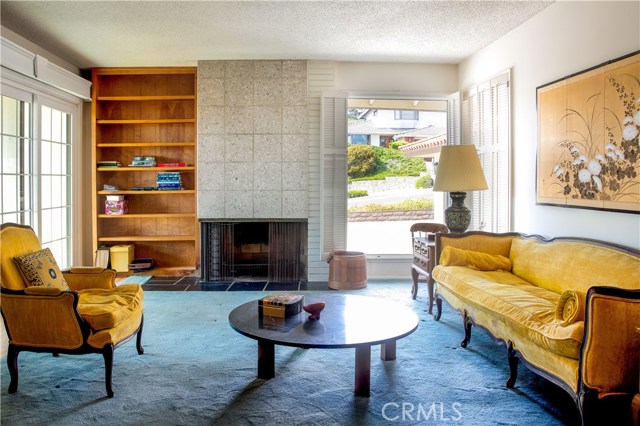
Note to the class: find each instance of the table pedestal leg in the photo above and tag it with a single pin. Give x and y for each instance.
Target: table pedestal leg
(363, 370)
(266, 360)
(388, 350)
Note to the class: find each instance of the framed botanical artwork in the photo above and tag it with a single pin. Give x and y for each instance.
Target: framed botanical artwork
(588, 138)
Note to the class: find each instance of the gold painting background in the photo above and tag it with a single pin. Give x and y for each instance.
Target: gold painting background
(588, 139)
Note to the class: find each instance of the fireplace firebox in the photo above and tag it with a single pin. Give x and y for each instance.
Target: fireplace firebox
(264, 250)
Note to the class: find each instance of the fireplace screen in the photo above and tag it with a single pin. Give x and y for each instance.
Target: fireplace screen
(274, 251)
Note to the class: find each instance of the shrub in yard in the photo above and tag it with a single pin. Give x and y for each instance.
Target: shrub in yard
(425, 181)
(396, 145)
(395, 163)
(361, 160)
(411, 204)
(355, 193)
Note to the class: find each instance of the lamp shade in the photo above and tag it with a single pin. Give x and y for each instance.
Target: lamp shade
(459, 170)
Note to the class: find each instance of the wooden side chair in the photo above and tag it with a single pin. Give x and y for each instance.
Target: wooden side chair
(424, 255)
(79, 311)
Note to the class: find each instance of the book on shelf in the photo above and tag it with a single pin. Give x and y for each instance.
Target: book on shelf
(139, 161)
(102, 257)
(109, 163)
(171, 164)
(169, 181)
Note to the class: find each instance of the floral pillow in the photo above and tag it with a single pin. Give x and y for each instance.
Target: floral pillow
(40, 269)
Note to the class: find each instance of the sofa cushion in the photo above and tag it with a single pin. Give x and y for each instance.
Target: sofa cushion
(573, 265)
(106, 308)
(492, 244)
(452, 256)
(40, 269)
(529, 310)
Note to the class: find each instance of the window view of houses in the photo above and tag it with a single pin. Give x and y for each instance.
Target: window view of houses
(391, 151)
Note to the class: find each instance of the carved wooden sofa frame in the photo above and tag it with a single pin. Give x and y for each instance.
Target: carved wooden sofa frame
(587, 398)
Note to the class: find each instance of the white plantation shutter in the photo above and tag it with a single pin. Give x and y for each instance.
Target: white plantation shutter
(334, 172)
(453, 119)
(485, 123)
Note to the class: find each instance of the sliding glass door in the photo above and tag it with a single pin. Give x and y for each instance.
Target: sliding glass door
(55, 182)
(36, 170)
(17, 201)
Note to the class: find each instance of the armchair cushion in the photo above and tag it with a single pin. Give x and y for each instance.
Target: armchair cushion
(40, 269)
(106, 308)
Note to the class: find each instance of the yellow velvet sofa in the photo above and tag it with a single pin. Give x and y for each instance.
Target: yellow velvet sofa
(89, 315)
(567, 307)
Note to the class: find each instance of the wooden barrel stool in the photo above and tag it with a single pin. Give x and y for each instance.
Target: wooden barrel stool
(347, 270)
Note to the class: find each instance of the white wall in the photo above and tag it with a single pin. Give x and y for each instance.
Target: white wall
(563, 39)
(396, 78)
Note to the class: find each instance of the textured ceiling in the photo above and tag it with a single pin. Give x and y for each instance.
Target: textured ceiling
(156, 33)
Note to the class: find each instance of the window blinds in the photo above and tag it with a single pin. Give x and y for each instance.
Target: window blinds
(334, 172)
(485, 123)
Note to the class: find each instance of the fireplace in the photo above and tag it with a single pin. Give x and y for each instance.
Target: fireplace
(255, 250)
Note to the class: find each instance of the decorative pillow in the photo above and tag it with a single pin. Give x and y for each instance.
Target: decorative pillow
(570, 308)
(452, 256)
(40, 269)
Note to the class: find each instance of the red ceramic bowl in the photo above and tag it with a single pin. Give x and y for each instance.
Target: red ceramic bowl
(314, 309)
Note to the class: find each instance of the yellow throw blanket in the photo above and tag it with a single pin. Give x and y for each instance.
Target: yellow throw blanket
(571, 307)
(452, 256)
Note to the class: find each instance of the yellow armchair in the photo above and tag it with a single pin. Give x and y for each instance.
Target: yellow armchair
(92, 316)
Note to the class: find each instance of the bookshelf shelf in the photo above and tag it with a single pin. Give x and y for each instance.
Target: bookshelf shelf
(147, 112)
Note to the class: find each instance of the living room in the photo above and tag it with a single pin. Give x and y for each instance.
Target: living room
(559, 39)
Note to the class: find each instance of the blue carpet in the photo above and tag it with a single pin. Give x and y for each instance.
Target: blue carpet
(135, 279)
(196, 370)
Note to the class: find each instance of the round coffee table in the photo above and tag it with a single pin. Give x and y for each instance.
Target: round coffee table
(347, 321)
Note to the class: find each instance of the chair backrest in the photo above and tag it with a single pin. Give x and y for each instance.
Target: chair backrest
(15, 240)
(428, 228)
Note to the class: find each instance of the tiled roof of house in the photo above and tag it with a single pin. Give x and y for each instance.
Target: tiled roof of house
(426, 147)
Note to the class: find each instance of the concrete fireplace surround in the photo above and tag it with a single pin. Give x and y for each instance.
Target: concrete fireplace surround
(253, 153)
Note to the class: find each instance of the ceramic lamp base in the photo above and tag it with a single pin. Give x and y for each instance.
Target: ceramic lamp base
(457, 216)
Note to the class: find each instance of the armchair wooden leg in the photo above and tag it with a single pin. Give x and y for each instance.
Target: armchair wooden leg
(414, 288)
(139, 338)
(107, 354)
(430, 286)
(12, 363)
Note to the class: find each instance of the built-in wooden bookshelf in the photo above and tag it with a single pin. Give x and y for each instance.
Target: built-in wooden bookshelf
(147, 112)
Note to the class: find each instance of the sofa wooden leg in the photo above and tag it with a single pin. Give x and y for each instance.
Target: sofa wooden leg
(139, 338)
(466, 321)
(513, 365)
(12, 363)
(107, 354)
(438, 309)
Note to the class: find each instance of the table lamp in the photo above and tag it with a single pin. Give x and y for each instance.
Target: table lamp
(459, 171)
